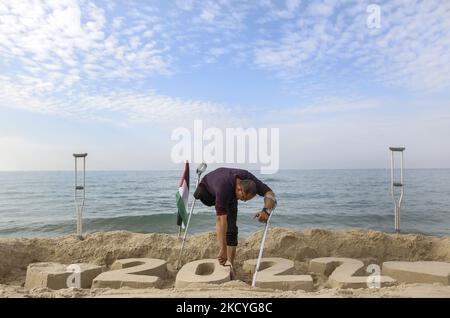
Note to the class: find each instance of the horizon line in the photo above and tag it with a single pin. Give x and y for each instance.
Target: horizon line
(284, 169)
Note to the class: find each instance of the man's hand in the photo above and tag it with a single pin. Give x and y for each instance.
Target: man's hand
(262, 216)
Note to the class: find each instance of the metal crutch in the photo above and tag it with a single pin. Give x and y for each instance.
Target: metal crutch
(258, 263)
(397, 204)
(79, 200)
(201, 168)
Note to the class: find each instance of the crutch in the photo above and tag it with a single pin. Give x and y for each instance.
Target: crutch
(201, 168)
(79, 199)
(258, 263)
(394, 184)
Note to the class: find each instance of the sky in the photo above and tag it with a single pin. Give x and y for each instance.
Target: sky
(115, 78)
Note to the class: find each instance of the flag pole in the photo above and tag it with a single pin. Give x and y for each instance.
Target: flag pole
(187, 226)
(185, 234)
(184, 180)
(200, 170)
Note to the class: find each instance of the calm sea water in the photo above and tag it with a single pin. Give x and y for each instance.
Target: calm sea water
(41, 203)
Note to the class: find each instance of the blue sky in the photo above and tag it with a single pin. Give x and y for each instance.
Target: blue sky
(114, 78)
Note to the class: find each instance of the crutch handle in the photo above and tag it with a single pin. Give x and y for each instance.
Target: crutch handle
(396, 148)
(79, 188)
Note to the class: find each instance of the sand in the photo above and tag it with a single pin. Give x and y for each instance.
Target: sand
(300, 246)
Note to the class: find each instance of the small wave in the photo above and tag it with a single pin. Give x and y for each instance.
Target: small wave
(156, 223)
(205, 222)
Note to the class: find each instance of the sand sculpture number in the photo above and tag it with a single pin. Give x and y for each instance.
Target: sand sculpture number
(133, 272)
(277, 273)
(203, 271)
(348, 273)
(426, 272)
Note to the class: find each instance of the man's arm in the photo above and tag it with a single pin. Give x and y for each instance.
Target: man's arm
(263, 189)
(221, 230)
(268, 202)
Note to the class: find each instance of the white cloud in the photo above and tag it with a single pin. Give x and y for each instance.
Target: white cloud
(185, 4)
(338, 105)
(55, 54)
(309, 38)
(411, 49)
(217, 51)
(224, 18)
(42, 37)
(313, 112)
(117, 23)
(121, 107)
(322, 8)
(279, 10)
(209, 12)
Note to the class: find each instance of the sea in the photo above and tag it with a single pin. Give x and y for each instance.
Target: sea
(41, 204)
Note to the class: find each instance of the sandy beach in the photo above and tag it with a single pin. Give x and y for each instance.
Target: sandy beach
(104, 248)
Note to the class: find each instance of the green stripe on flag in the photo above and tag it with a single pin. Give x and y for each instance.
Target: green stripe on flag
(181, 208)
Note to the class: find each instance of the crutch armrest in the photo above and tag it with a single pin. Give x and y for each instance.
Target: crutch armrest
(80, 155)
(396, 148)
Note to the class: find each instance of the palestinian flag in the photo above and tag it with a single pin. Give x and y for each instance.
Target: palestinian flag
(182, 197)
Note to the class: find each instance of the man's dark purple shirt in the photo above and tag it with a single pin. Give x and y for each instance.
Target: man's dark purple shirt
(221, 183)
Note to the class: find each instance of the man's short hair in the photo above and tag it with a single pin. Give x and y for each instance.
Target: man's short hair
(248, 187)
